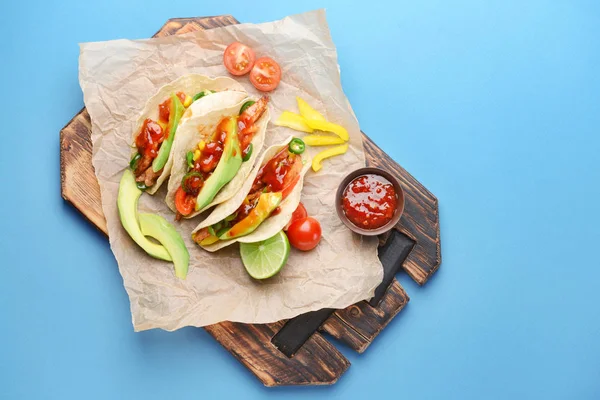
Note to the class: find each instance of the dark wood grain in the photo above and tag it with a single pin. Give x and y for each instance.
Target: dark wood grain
(317, 361)
(360, 323)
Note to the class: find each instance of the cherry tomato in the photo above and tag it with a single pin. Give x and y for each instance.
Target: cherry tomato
(238, 58)
(183, 202)
(299, 213)
(304, 234)
(265, 74)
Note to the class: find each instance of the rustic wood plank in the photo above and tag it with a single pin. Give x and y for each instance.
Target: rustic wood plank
(360, 323)
(78, 181)
(317, 362)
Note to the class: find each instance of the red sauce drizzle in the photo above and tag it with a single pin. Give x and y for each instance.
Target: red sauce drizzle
(212, 153)
(369, 201)
(164, 108)
(273, 174)
(150, 137)
(277, 175)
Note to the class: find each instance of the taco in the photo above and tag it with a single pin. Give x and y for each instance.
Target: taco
(214, 155)
(264, 204)
(173, 104)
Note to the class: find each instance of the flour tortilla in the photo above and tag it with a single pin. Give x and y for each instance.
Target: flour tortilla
(272, 224)
(228, 91)
(201, 127)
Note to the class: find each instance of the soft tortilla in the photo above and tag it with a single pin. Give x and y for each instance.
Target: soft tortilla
(199, 127)
(271, 225)
(228, 91)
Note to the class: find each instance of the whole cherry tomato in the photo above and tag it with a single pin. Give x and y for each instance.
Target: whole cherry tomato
(305, 233)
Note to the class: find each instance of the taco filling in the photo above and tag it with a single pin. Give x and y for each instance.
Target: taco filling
(216, 160)
(155, 138)
(274, 182)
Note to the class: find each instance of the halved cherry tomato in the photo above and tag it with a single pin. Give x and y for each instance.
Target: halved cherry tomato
(265, 74)
(238, 58)
(183, 202)
(304, 234)
(299, 213)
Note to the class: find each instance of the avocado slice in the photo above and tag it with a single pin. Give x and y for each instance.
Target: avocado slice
(267, 203)
(175, 114)
(228, 166)
(127, 201)
(157, 227)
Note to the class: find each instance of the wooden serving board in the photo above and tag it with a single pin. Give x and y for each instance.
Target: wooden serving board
(292, 352)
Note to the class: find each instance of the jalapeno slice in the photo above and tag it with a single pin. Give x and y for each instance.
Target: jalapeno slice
(296, 146)
(246, 105)
(248, 153)
(134, 161)
(201, 95)
(192, 182)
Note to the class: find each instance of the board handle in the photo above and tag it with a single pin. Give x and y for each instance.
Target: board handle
(392, 255)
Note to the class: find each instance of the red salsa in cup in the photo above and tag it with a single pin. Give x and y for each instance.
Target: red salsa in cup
(369, 201)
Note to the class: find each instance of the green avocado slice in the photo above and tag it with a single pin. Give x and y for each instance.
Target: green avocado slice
(157, 227)
(127, 201)
(175, 114)
(228, 166)
(267, 203)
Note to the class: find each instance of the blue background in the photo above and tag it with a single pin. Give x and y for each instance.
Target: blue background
(495, 107)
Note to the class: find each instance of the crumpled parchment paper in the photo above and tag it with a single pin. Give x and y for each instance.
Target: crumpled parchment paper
(117, 78)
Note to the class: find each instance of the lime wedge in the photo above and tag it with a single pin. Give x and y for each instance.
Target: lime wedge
(265, 258)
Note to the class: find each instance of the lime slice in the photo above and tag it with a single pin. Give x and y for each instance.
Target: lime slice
(266, 258)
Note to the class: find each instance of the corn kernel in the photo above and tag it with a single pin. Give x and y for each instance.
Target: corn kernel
(187, 101)
(202, 145)
(196, 155)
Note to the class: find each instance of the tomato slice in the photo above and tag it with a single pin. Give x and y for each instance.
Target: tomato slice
(238, 58)
(288, 189)
(183, 202)
(299, 213)
(304, 234)
(265, 74)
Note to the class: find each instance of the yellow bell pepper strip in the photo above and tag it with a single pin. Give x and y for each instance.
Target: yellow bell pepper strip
(308, 112)
(322, 140)
(267, 203)
(317, 121)
(294, 121)
(334, 151)
(209, 240)
(329, 127)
